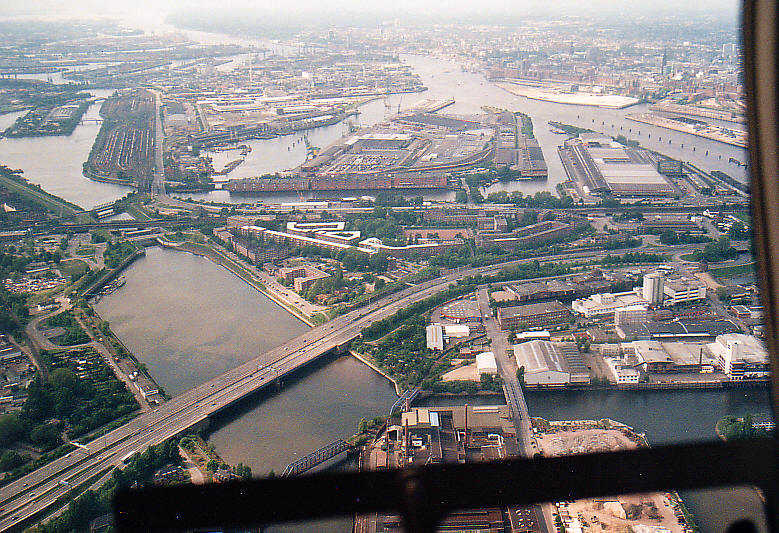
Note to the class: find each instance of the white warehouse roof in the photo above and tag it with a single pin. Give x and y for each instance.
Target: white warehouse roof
(486, 364)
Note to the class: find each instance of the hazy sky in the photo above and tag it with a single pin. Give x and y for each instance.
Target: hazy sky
(147, 9)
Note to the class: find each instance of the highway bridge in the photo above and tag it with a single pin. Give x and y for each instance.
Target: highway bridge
(30, 495)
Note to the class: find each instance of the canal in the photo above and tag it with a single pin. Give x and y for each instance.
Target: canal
(188, 320)
(55, 162)
(666, 417)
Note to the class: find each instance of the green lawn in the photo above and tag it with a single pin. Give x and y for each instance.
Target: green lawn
(70, 267)
(730, 271)
(86, 251)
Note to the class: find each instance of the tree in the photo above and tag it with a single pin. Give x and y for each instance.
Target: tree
(10, 460)
(46, 436)
(62, 378)
(213, 465)
(738, 231)
(378, 262)
(10, 429)
(521, 375)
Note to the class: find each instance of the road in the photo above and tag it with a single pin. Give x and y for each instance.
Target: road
(158, 182)
(515, 398)
(28, 495)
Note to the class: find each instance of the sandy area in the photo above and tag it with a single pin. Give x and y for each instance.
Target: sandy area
(639, 513)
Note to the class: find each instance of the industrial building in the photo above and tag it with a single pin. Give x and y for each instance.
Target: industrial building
(598, 164)
(740, 356)
(677, 330)
(664, 357)
(533, 315)
(653, 288)
(631, 314)
(656, 290)
(457, 331)
(463, 310)
(683, 290)
(622, 371)
(456, 434)
(604, 305)
(435, 337)
(486, 364)
(551, 363)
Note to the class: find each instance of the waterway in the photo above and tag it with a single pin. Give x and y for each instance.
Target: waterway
(55, 162)
(189, 320)
(666, 417)
(471, 91)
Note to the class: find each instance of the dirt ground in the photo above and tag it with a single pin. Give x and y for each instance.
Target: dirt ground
(583, 441)
(637, 513)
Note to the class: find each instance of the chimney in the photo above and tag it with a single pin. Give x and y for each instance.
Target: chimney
(465, 445)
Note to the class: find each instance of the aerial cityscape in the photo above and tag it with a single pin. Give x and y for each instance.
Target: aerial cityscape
(240, 244)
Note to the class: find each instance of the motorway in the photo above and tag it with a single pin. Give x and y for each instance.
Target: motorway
(23, 498)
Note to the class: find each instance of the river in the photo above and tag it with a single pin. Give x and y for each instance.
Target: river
(666, 417)
(445, 79)
(189, 320)
(669, 417)
(55, 162)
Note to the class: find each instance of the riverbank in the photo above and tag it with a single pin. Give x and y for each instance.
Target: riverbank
(707, 131)
(237, 269)
(676, 385)
(368, 363)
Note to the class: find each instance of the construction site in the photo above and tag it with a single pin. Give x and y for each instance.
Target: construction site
(657, 512)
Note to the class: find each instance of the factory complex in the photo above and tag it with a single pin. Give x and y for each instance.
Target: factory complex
(415, 149)
(596, 163)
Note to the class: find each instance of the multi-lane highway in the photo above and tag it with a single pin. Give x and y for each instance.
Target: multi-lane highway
(27, 496)
(31, 494)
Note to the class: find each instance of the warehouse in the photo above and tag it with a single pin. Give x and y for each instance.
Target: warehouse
(664, 357)
(551, 363)
(598, 164)
(533, 315)
(435, 337)
(486, 364)
(677, 329)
